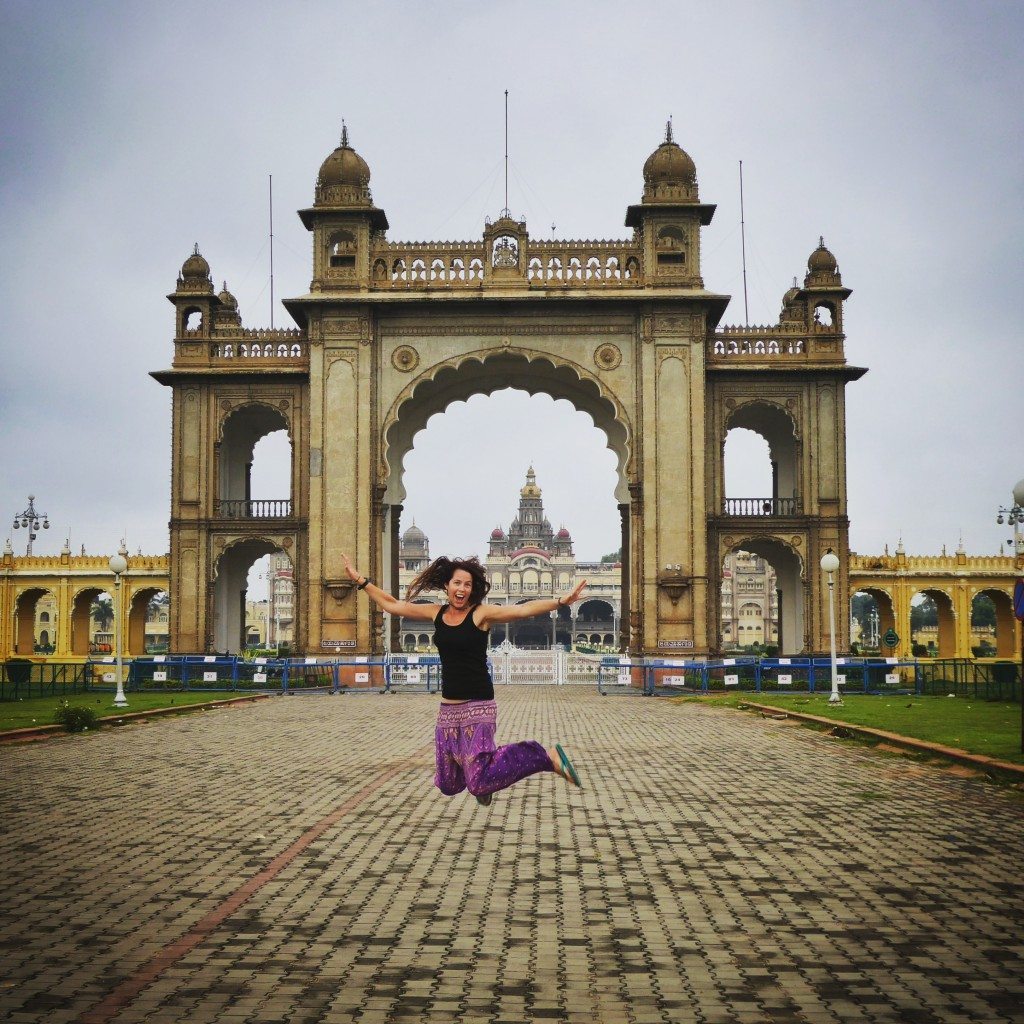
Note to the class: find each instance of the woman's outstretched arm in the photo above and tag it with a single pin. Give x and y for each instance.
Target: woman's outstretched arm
(490, 613)
(383, 600)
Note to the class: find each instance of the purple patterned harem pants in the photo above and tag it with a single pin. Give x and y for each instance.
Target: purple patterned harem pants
(467, 757)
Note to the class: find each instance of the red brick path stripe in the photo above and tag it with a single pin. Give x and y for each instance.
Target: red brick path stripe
(129, 989)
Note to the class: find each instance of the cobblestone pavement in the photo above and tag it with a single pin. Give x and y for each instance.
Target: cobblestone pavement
(289, 861)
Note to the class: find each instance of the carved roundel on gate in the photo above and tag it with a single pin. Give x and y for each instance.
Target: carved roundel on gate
(405, 358)
(607, 357)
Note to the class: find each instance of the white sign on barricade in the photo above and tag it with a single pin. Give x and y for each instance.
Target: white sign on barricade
(785, 680)
(259, 677)
(732, 679)
(159, 677)
(892, 679)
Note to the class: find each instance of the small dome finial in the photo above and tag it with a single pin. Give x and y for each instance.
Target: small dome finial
(344, 135)
(195, 249)
(821, 241)
(668, 129)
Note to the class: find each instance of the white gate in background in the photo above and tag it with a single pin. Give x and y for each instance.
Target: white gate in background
(552, 666)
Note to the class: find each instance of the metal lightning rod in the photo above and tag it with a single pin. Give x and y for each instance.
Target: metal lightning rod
(743, 245)
(505, 211)
(270, 178)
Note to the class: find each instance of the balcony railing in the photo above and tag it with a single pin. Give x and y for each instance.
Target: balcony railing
(240, 508)
(762, 507)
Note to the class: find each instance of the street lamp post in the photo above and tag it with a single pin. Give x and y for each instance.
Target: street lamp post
(1014, 516)
(29, 520)
(118, 565)
(830, 565)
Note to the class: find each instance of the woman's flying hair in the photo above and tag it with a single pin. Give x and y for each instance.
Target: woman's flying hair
(438, 574)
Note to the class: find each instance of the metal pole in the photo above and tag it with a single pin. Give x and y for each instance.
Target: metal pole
(271, 181)
(743, 244)
(120, 700)
(834, 698)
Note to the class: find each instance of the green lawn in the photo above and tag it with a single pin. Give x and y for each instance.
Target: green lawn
(981, 727)
(22, 714)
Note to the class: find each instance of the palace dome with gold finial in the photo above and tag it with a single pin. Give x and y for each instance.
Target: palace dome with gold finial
(669, 172)
(822, 268)
(344, 177)
(530, 488)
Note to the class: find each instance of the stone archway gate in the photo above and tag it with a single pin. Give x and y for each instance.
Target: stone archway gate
(392, 332)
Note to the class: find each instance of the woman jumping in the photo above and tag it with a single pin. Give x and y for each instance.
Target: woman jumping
(464, 738)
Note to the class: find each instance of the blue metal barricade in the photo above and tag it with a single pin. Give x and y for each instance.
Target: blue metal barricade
(729, 675)
(414, 673)
(360, 673)
(668, 676)
(621, 674)
(310, 674)
(208, 672)
(784, 675)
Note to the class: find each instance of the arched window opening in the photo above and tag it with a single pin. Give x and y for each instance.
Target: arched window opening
(416, 446)
(255, 466)
(32, 609)
(992, 625)
(871, 617)
(932, 625)
(749, 605)
(193, 319)
(671, 248)
(254, 599)
(148, 622)
(761, 599)
(761, 472)
(824, 314)
(342, 250)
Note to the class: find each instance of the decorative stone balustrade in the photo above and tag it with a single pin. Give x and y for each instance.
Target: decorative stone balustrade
(240, 508)
(762, 506)
(449, 265)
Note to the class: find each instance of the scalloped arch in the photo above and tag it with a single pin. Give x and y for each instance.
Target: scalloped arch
(755, 541)
(484, 372)
(256, 541)
(747, 422)
(281, 414)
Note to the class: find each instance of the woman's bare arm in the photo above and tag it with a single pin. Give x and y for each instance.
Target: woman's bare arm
(493, 613)
(392, 605)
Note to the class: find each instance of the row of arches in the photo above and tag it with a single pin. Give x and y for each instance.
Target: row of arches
(931, 628)
(90, 628)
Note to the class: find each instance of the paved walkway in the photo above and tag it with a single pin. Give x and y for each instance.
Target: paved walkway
(289, 861)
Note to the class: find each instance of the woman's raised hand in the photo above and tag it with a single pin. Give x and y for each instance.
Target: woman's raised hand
(576, 594)
(352, 574)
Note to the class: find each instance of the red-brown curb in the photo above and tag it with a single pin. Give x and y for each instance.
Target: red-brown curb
(921, 746)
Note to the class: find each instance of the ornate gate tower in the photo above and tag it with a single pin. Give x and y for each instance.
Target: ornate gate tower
(391, 333)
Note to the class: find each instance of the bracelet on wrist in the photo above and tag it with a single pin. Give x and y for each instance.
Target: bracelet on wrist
(366, 582)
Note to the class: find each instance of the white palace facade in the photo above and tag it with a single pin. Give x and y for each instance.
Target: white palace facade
(531, 560)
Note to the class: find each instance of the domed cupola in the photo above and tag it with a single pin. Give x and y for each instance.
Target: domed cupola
(227, 315)
(530, 488)
(414, 537)
(822, 268)
(563, 534)
(670, 175)
(195, 274)
(344, 178)
(497, 533)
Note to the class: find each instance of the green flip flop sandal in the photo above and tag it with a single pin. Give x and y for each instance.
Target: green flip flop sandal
(567, 765)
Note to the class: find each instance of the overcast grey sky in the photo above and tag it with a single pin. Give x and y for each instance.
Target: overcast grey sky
(131, 131)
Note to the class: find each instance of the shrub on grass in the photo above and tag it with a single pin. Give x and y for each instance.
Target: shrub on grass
(75, 719)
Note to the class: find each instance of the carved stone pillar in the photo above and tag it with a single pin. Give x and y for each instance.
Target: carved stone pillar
(625, 573)
(395, 523)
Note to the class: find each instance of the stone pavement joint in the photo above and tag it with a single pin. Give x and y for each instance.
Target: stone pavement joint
(292, 862)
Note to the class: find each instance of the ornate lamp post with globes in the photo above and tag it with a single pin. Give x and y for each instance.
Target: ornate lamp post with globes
(830, 565)
(1014, 516)
(29, 520)
(118, 566)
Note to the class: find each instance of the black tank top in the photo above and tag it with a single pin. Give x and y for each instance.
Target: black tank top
(463, 650)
